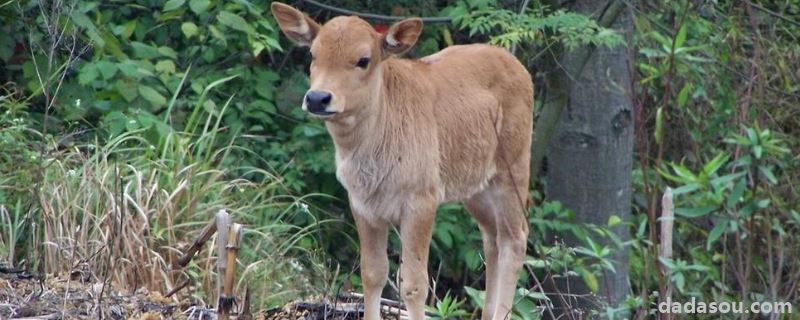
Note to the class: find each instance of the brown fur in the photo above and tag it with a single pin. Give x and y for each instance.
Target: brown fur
(412, 134)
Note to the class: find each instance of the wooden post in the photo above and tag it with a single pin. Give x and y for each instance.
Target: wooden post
(227, 299)
(223, 220)
(665, 245)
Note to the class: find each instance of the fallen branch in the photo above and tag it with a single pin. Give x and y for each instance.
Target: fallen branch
(198, 243)
(178, 288)
(386, 304)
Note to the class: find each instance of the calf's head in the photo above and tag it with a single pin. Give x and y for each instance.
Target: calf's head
(347, 56)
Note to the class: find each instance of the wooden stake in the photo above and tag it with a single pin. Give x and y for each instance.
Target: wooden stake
(227, 299)
(665, 244)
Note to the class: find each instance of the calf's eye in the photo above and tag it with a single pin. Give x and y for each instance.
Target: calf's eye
(362, 63)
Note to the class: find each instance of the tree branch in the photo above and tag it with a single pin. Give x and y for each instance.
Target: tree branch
(372, 16)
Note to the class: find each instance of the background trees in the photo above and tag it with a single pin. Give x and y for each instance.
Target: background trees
(146, 117)
(590, 155)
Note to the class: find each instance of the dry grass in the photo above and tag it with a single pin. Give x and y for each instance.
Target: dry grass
(121, 213)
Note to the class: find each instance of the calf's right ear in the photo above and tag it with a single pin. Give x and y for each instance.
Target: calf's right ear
(295, 24)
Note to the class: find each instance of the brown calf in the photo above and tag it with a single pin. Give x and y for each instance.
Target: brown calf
(412, 134)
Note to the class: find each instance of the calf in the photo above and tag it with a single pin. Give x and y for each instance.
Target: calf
(412, 134)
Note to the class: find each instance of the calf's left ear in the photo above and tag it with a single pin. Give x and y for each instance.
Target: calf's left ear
(401, 36)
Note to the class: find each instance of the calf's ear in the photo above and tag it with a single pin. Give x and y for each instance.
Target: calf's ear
(295, 24)
(401, 36)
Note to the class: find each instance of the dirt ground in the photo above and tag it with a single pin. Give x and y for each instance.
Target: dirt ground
(23, 296)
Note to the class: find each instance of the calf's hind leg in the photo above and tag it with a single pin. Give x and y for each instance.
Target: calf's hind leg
(501, 213)
(482, 211)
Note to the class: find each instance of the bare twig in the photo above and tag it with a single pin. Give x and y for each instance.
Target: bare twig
(43, 317)
(245, 313)
(384, 301)
(180, 287)
(521, 12)
(773, 13)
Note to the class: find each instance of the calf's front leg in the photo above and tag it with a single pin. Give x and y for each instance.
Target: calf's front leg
(416, 227)
(372, 236)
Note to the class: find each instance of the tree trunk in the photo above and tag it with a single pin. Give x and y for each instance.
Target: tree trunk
(591, 153)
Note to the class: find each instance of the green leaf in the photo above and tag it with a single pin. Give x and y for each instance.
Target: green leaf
(128, 29)
(681, 37)
(165, 66)
(7, 45)
(445, 237)
(173, 4)
(724, 180)
(174, 15)
(116, 122)
(107, 69)
(668, 262)
(126, 89)
(589, 279)
(767, 172)
(683, 95)
(472, 259)
(614, 220)
(82, 20)
(152, 95)
(712, 166)
(87, 74)
(659, 132)
(144, 51)
(694, 212)
(199, 6)
(684, 173)
(478, 297)
(758, 151)
(234, 21)
(736, 194)
(680, 281)
(536, 263)
(167, 52)
(686, 188)
(257, 48)
(273, 43)
(715, 233)
(130, 69)
(189, 29)
(217, 35)
(111, 44)
(752, 136)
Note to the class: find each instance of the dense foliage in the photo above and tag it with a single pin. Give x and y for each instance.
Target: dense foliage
(150, 116)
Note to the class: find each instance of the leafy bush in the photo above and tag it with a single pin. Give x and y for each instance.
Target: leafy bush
(540, 26)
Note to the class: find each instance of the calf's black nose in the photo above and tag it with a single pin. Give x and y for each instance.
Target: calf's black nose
(317, 101)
